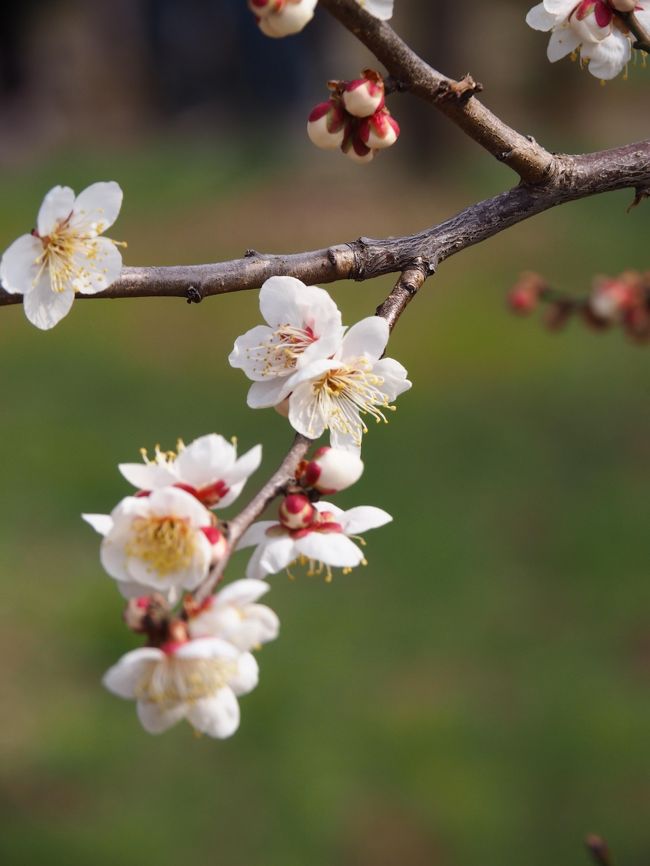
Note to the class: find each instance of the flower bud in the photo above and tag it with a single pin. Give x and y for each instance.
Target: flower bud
(291, 18)
(326, 125)
(296, 511)
(332, 470)
(364, 96)
(590, 21)
(218, 541)
(524, 295)
(263, 8)
(612, 298)
(379, 130)
(356, 150)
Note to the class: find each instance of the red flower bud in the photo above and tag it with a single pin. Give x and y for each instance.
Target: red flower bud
(296, 511)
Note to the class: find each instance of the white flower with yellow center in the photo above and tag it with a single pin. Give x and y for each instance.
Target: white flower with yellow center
(339, 392)
(198, 680)
(65, 253)
(303, 325)
(208, 468)
(233, 615)
(166, 541)
(325, 544)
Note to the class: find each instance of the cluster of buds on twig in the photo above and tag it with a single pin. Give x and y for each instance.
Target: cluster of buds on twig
(622, 301)
(355, 118)
(277, 18)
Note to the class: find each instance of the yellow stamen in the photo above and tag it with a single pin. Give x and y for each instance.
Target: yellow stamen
(167, 544)
(173, 680)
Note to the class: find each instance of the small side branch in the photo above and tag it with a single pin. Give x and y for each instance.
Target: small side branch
(641, 35)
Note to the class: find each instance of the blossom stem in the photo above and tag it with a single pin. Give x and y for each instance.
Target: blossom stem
(633, 24)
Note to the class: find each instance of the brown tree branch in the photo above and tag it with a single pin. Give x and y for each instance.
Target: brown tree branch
(641, 35)
(455, 99)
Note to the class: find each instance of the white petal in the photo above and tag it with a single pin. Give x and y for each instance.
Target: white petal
(20, 265)
(271, 392)
(147, 476)
(245, 357)
(125, 676)
(97, 207)
(312, 371)
(325, 346)
(236, 477)
(45, 308)
(345, 442)
(217, 716)
(382, 9)
(276, 554)
(303, 414)
(279, 301)
(173, 501)
(242, 592)
(332, 548)
(57, 206)
(394, 376)
(101, 523)
(561, 8)
(539, 18)
(207, 648)
(608, 57)
(255, 534)
(100, 265)
(156, 718)
(643, 16)
(205, 460)
(362, 518)
(331, 508)
(247, 676)
(367, 337)
(561, 43)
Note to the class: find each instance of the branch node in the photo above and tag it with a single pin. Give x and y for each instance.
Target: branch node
(640, 193)
(458, 91)
(193, 295)
(394, 85)
(249, 254)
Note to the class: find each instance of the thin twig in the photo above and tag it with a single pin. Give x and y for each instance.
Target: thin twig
(633, 24)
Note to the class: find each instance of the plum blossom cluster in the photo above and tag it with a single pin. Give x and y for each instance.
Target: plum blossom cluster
(622, 301)
(161, 546)
(65, 254)
(277, 18)
(597, 29)
(307, 365)
(355, 118)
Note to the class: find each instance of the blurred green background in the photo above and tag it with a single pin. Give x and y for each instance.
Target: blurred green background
(479, 694)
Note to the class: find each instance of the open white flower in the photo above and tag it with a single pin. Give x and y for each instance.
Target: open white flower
(198, 680)
(335, 393)
(233, 615)
(65, 253)
(208, 468)
(166, 541)
(591, 27)
(324, 545)
(303, 325)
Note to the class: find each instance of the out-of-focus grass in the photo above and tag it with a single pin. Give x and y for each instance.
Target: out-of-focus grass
(479, 693)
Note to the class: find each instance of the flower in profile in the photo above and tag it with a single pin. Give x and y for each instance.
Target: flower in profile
(303, 325)
(278, 18)
(165, 541)
(234, 615)
(65, 253)
(198, 680)
(337, 393)
(208, 468)
(590, 26)
(330, 470)
(323, 545)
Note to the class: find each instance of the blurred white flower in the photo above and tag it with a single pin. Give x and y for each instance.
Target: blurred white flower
(382, 9)
(334, 393)
(277, 18)
(591, 27)
(303, 325)
(198, 680)
(208, 468)
(233, 615)
(64, 254)
(166, 541)
(324, 545)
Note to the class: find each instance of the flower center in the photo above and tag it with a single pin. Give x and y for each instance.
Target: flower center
(166, 544)
(281, 351)
(342, 395)
(175, 681)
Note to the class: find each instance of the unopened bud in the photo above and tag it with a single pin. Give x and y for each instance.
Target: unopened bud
(218, 541)
(262, 8)
(379, 130)
(291, 18)
(611, 299)
(326, 125)
(363, 96)
(146, 614)
(356, 150)
(332, 470)
(524, 295)
(296, 511)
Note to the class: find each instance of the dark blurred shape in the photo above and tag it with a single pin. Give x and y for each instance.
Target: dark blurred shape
(599, 850)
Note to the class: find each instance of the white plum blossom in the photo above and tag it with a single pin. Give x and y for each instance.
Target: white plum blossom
(277, 18)
(208, 468)
(323, 545)
(591, 27)
(334, 393)
(303, 325)
(197, 680)
(165, 541)
(65, 253)
(233, 615)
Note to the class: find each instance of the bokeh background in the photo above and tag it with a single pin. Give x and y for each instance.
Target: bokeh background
(480, 693)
